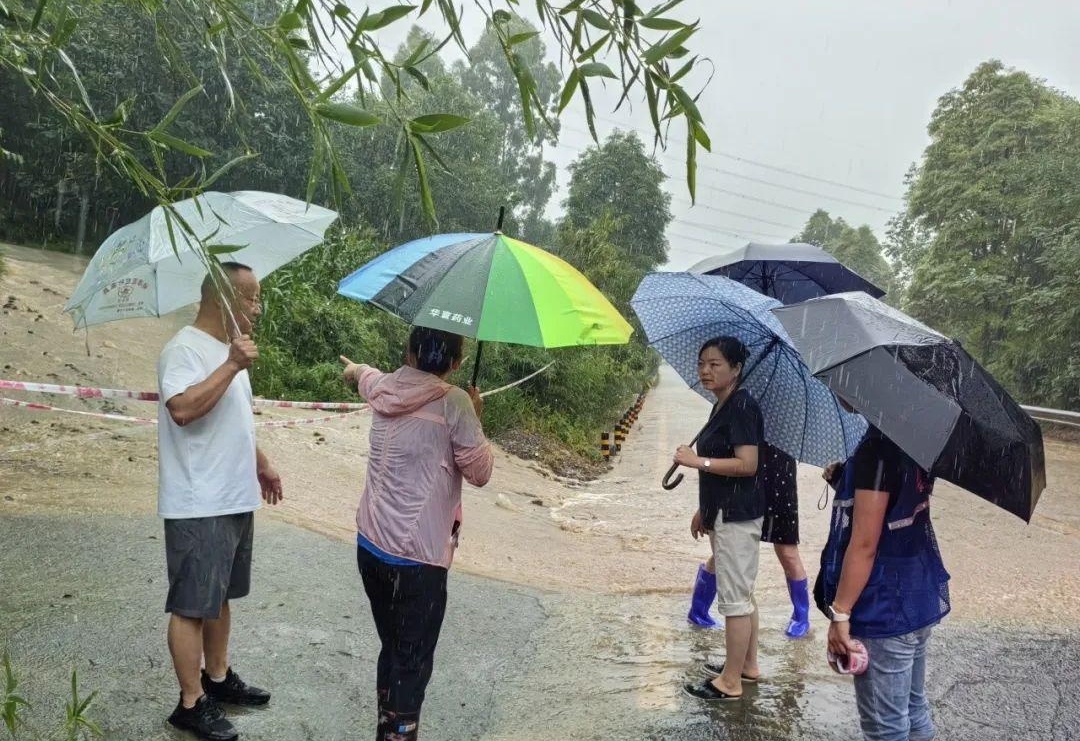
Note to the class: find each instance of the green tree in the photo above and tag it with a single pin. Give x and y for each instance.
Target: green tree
(618, 179)
(992, 228)
(467, 182)
(857, 248)
(60, 167)
(649, 51)
(530, 177)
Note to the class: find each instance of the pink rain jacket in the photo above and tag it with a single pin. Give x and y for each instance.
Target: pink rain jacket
(424, 437)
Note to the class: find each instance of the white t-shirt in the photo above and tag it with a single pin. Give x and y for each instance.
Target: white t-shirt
(207, 467)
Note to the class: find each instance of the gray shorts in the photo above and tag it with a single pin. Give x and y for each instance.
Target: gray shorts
(209, 560)
(735, 547)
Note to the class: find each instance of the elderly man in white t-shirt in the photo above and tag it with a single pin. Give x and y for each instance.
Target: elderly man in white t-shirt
(210, 478)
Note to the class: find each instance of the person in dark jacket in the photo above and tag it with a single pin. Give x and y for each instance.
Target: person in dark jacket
(883, 585)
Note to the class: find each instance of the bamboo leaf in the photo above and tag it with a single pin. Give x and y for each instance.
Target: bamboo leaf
(667, 45)
(568, 90)
(347, 114)
(591, 51)
(596, 69)
(433, 153)
(383, 18)
(65, 31)
(662, 24)
(337, 84)
(341, 10)
(298, 42)
(654, 103)
(224, 249)
(596, 19)
(418, 52)
(691, 163)
(702, 136)
(178, 144)
(590, 112)
(177, 107)
(290, 21)
(37, 15)
(687, 103)
(571, 7)
(434, 123)
(684, 70)
(78, 80)
(501, 17)
(224, 169)
(422, 178)
(419, 76)
(521, 38)
(659, 10)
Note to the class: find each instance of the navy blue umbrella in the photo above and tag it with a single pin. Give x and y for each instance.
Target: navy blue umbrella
(790, 273)
(680, 311)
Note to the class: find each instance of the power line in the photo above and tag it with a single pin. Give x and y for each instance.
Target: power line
(814, 178)
(767, 202)
(742, 234)
(799, 190)
(765, 165)
(744, 216)
(709, 243)
(730, 173)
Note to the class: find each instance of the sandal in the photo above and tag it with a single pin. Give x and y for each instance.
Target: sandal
(715, 670)
(706, 691)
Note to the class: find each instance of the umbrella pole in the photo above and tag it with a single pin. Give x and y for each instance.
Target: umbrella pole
(476, 364)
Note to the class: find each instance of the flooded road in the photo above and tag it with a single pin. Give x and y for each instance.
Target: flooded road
(567, 599)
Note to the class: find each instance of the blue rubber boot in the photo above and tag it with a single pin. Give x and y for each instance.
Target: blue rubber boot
(800, 615)
(704, 595)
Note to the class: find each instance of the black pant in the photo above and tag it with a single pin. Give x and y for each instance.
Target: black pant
(408, 604)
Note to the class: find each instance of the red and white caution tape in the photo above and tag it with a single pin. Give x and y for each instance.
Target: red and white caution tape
(519, 381)
(324, 406)
(83, 392)
(99, 415)
(312, 421)
(146, 421)
(89, 392)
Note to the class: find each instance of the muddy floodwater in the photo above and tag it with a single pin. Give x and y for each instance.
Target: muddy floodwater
(568, 598)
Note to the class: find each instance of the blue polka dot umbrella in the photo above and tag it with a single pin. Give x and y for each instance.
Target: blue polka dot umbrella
(680, 311)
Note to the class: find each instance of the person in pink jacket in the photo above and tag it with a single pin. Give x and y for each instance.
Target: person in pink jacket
(425, 438)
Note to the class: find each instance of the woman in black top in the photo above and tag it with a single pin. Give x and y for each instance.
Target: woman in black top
(730, 511)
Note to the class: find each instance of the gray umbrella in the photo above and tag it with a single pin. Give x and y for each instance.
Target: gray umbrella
(788, 272)
(925, 393)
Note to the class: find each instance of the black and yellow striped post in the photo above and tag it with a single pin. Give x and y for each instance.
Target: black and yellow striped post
(620, 436)
(605, 445)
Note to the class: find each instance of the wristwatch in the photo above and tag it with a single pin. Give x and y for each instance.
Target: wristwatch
(707, 463)
(835, 616)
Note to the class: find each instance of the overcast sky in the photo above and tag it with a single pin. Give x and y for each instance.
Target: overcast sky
(838, 90)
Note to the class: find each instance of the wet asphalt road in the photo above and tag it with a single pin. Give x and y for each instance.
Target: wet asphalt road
(87, 593)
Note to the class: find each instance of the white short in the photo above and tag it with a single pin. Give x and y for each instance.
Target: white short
(735, 547)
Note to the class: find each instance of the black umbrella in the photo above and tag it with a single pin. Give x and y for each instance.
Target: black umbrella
(925, 393)
(787, 272)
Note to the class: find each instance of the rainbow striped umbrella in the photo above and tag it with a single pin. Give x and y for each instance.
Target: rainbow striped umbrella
(489, 287)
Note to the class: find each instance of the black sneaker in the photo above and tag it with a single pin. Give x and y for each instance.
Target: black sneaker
(233, 690)
(205, 719)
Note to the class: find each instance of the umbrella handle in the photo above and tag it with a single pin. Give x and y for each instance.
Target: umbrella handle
(669, 485)
(476, 364)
